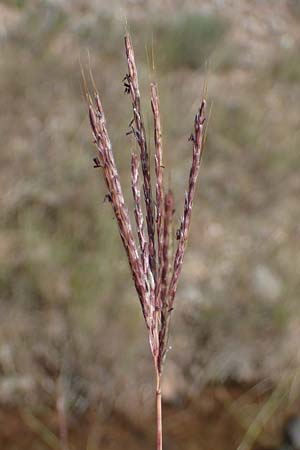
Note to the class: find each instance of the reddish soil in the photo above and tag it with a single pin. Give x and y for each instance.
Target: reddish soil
(212, 422)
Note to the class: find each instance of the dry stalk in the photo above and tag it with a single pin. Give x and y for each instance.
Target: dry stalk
(155, 283)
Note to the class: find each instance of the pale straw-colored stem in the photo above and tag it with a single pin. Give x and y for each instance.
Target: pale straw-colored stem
(158, 411)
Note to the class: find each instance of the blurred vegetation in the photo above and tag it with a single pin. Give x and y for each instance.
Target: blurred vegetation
(188, 41)
(287, 67)
(14, 3)
(66, 294)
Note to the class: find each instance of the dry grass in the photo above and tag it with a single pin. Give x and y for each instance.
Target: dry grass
(155, 282)
(245, 220)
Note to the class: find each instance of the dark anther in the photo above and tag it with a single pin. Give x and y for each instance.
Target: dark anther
(127, 88)
(201, 107)
(107, 198)
(192, 138)
(136, 133)
(178, 234)
(126, 78)
(96, 162)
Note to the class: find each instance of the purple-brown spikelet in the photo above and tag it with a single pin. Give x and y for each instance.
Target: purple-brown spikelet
(188, 201)
(159, 189)
(138, 213)
(132, 81)
(154, 273)
(165, 309)
(111, 176)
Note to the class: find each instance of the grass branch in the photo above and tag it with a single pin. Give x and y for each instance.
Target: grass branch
(155, 275)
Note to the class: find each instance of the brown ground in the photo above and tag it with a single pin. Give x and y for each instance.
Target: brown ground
(216, 420)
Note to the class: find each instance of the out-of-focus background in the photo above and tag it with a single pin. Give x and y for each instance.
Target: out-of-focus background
(73, 344)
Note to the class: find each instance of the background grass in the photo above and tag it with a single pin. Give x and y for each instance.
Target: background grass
(68, 308)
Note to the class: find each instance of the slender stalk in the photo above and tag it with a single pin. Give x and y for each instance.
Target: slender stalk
(62, 422)
(158, 410)
(149, 258)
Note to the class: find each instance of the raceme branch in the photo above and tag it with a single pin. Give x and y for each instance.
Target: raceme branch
(154, 274)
